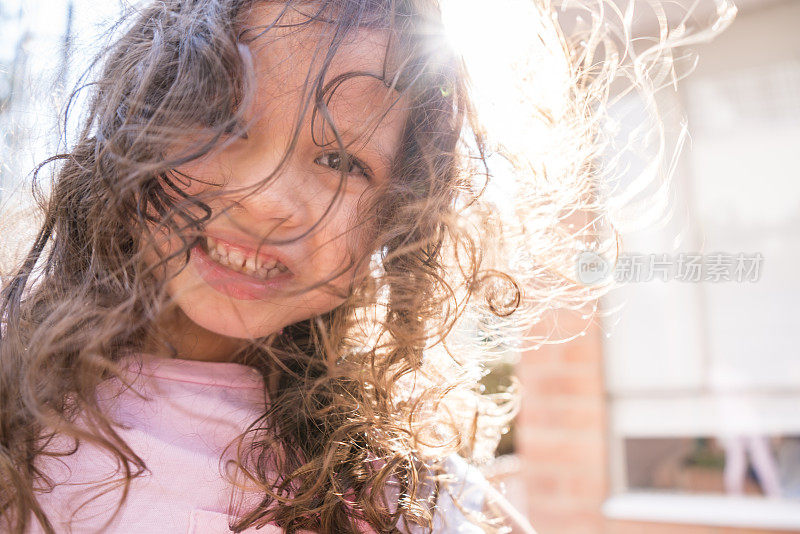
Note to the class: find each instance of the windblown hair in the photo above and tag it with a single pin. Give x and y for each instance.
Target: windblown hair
(378, 388)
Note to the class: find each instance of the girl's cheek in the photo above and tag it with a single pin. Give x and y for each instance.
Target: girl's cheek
(190, 180)
(157, 244)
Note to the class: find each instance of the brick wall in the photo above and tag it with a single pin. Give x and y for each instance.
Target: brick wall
(632, 527)
(561, 432)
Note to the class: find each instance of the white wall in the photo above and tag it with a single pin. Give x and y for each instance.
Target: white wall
(737, 189)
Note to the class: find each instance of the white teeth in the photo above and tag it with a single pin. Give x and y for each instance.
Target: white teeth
(268, 264)
(236, 258)
(237, 261)
(250, 265)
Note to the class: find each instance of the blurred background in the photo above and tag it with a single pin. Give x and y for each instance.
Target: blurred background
(677, 411)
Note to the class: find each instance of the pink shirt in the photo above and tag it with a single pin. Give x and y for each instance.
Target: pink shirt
(190, 411)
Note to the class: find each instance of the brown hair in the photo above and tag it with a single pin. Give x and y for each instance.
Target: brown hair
(380, 377)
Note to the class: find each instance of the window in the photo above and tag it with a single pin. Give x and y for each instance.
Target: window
(704, 376)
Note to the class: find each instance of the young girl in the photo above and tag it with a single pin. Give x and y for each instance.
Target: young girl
(241, 309)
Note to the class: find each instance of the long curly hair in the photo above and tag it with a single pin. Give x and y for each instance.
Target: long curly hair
(383, 385)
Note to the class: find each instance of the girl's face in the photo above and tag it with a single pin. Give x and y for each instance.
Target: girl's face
(229, 289)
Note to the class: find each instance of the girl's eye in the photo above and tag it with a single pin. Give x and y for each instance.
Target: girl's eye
(233, 127)
(349, 164)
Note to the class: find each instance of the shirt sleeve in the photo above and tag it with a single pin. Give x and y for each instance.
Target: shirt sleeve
(462, 493)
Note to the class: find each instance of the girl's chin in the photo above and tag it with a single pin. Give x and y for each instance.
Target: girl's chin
(227, 317)
(233, 327)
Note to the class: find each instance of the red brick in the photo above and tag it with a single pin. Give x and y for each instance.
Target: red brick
(566, 382)
(557, 451)
(635, 527)
(588, 485)
(549, 521)
(585, 352)
(573, 416)
(543, 483)
(561, 433)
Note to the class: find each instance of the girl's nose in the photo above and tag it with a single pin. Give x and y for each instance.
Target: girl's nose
(282, 201)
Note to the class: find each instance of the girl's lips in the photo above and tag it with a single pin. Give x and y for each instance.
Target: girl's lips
(233, 283)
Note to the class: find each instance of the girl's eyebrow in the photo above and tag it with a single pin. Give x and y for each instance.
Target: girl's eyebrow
(372, 144)
(385, 158)
(373, 137)
(364, 124)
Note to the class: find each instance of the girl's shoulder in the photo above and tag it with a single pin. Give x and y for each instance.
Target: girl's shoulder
(466, 495)
(462, 492)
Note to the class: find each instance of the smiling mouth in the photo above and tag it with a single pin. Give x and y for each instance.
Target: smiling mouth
(262, 267)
